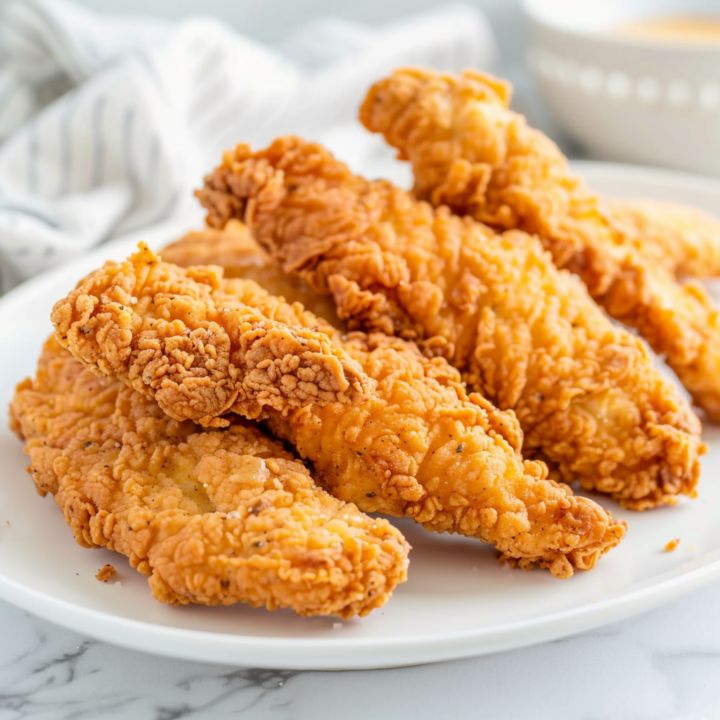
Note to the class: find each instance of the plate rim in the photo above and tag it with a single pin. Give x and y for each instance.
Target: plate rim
(434, 647)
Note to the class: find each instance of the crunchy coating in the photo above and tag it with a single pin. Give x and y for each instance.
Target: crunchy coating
(234, 249)
(469, 151)
(174, 335)
(683, 239)
(417, 445)
(422, 448)
(525, 333)
(212, 517)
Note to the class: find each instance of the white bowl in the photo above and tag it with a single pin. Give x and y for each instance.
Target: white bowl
(624, 97)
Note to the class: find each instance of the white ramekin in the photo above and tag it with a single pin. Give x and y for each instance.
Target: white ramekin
(626, 98)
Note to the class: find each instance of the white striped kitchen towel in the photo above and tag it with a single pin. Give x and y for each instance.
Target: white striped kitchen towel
(108, 123)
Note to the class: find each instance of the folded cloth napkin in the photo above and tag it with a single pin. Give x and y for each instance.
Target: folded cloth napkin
(107, 123)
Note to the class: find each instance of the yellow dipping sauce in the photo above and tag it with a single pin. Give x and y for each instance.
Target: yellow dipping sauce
(673, 28)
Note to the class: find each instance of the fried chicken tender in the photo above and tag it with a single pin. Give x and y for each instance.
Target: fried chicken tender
(236, 252)
(213, 517)
(194, 349)
(469, 151)
(415, 444)
(526, 334)
(421, 447)
(683, 239)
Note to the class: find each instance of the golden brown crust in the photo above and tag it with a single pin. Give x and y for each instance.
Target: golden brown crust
(525, 333)
(422, 448)
(469, 151)
(212, 517)
(416, 445)
(683, 239)
(174, 335)
(236, 252)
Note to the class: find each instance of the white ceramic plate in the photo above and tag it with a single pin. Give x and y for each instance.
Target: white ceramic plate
(458, 602)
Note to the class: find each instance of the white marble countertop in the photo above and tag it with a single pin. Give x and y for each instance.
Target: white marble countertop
(662, 665)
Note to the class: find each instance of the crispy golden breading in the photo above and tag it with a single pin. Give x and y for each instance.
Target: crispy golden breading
(212, 517)
(683, 239)
(236, 252)
(421, 447)
(526, 334)
(469, 151)
(416, 445)
(174, 335)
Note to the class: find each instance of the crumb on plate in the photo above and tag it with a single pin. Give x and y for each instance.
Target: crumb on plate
(107, 573)
(670, 545)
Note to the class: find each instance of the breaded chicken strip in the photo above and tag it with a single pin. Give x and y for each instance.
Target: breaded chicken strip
(397, 364)
(415, 444)
(469, 151)
(194, 349)
(683, 239)
(212, 517)
(525, 334)
(421, 447)
(236, 252)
